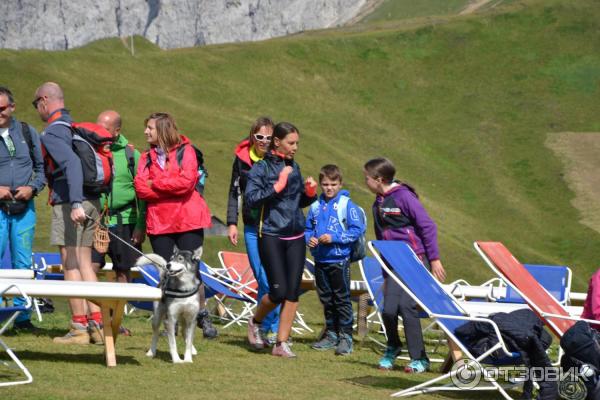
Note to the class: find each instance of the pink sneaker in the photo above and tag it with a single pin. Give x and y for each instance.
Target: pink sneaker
(283, 350)
(254, 336)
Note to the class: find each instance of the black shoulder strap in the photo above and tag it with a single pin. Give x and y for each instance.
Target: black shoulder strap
(26, 132)
(148, 160)
(129, 154)
(179, 155)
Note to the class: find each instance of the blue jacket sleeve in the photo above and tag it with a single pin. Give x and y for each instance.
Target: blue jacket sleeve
(39, 179)
(59, 147)
(356, 226)
(258, 190)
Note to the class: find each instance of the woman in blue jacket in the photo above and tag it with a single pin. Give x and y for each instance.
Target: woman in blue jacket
(247, 153)
(277, 191)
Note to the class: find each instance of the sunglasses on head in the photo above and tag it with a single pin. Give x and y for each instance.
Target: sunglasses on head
(262, 138)
(35, 102)
(5, 107)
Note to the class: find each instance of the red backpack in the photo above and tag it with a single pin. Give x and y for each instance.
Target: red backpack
(91, 143)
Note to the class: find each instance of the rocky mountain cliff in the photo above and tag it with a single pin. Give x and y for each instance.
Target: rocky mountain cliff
(64, 24)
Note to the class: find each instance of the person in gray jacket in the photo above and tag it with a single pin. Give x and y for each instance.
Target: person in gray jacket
(21, 178)
(74, 212)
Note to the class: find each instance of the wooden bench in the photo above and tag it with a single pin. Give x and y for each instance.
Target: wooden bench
(111, 297)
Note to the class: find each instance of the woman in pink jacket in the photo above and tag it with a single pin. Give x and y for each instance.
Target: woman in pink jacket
(176, 213)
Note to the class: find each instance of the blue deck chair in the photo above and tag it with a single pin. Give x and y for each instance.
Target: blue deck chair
(403, 265)
(41, 263)
(149, 275)
(370, 270)
(555, 279)
(371, 274)
(7, 316)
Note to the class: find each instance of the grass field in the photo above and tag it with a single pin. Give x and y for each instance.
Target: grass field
(462, 105)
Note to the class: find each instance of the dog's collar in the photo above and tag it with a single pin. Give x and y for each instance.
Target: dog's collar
(179, 294)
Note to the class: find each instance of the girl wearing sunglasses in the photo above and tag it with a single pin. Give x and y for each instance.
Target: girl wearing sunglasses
(249, 151)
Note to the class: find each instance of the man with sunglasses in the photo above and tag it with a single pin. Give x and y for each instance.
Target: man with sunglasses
(21, 178)
(74, 211)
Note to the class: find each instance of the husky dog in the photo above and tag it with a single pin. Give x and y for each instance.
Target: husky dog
(179, 284)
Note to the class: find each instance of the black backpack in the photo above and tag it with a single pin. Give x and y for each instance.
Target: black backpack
(581, 345)
(202, 172)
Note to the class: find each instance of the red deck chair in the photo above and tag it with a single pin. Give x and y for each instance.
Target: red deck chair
(506, 266)
(237, 268)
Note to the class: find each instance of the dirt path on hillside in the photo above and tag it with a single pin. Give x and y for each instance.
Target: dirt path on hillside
(371, 5)
(579, 154)
(474, 6)
(367, 9)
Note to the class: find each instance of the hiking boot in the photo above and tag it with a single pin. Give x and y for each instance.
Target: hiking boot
(283, 350)
(328, 341)
(78, 334)
(344, 347)
(254, 336)
(203, 321)
(417, 366)
(389, 357)
(96, 334)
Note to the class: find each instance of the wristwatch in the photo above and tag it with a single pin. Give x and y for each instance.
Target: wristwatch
(76, 205)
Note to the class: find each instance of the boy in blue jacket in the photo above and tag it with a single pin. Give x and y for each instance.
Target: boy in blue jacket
(333, 224)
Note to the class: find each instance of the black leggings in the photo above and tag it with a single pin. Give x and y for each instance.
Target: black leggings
(283, 261)
(164, 244)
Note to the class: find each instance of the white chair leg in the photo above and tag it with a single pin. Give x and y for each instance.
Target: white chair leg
(36, 305)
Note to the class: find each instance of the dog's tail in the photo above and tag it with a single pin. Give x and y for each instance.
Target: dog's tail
(151, 258)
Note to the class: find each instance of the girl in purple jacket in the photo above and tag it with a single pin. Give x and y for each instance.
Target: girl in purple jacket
(399, 215)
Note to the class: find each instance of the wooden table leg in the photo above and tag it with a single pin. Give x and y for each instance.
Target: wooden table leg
(117, 317)
(109, 343)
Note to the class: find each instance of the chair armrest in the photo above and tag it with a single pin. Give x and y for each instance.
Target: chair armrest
(28, 302)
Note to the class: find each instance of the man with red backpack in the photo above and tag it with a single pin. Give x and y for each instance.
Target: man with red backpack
(126, 214)
(74, 210)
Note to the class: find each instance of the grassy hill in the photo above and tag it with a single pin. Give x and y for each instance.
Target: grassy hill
(462, 107)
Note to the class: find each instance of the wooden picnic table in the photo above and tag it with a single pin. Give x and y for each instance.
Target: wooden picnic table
(111, 297)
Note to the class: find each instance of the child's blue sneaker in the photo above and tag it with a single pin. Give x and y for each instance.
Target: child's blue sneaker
(417, 366)
(389, 357)
(329, 341)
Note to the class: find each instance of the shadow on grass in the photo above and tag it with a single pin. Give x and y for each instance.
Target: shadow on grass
(38, 331)
(81, 358)
(395, 383)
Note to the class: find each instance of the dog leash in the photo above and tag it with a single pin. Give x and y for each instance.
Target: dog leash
(164, 284)
(122, 241)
